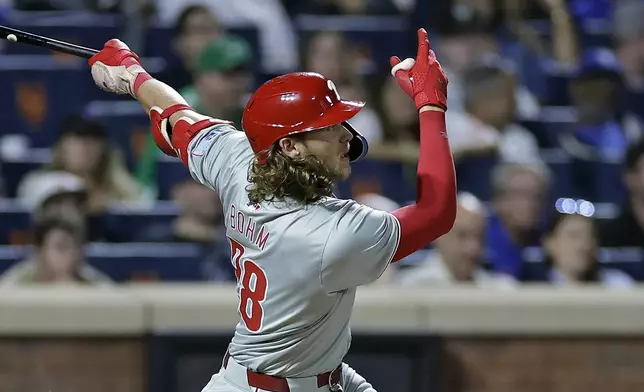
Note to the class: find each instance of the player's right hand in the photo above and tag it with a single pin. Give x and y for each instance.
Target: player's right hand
(117, 69)
(422, 79)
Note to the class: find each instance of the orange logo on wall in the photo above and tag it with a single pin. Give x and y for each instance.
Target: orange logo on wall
(31, 101)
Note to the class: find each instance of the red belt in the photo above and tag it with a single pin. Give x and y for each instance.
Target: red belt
(279, 384)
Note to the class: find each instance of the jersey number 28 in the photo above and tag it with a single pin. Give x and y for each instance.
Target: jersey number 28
(253, 286)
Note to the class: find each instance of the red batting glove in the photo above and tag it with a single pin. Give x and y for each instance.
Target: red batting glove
(117, 69)
(422, 79)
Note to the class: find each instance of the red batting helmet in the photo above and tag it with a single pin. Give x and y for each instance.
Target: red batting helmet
(296, 103)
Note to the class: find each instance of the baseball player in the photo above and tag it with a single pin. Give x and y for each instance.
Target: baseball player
(299, 253)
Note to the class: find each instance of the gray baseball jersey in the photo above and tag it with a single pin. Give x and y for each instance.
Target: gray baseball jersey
(297, 266)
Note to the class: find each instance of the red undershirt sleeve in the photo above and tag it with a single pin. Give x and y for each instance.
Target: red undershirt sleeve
(434, 212)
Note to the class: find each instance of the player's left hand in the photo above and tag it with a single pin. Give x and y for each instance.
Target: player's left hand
(422, 79)
(117, 69)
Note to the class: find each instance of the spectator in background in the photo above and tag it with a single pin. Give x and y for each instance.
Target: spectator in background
(628, 33)
(83, 150)
(519, 195)
(277, 39)
(223, 79)
(571, 246)
(196, 27)
(55, 194)
(400, 119)
(488, 124)
(222, 85)
(329, 54)
(469, 31)
(459, 254)
(602, 133)
(200, 221)
(60, 194)
(628, 229)
(57, 258)
(343, 7)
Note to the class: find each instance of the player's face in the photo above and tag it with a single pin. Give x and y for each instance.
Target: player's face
(81, 155)
(521, 202)
(331, 146)
(572, 245)
(201, 28)
(462, 247)
(60, 254)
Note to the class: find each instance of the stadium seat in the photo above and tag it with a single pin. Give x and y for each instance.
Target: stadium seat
(15, 222)
(557, 78)
(561, 173)
(628, 260)
(376, 37)
(37, 93)
(165, 262)
(127, 221)
(169, 172)
(127, 262)
(393, 180)
(10, 255)
(473, 175)
(14, 169)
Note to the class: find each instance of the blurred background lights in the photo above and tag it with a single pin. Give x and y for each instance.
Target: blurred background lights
(571, 206)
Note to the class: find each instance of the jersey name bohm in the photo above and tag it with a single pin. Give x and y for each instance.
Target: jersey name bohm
(246, 226)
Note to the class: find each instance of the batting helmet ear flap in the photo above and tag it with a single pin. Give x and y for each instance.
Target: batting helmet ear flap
(358, 146)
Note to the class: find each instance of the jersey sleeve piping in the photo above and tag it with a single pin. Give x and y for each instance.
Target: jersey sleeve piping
(326, 242)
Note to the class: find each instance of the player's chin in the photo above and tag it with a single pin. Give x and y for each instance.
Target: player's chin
(344, 169)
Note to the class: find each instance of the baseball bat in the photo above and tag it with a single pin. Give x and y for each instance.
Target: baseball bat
(13, 35)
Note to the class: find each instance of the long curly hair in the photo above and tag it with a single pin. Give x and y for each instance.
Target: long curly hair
(305, 180)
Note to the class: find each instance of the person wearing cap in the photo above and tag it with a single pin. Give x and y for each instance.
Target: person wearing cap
(57, 193)
(603, 131)
(54, 193)
(223, 79)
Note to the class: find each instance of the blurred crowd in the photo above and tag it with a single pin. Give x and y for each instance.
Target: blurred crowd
(545, 120)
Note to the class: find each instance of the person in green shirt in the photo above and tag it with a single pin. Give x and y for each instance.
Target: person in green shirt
(223, 82)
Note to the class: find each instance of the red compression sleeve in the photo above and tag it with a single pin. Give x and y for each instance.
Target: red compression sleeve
(435, 209)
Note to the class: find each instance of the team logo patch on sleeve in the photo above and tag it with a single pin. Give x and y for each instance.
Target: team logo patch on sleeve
(203, 144)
